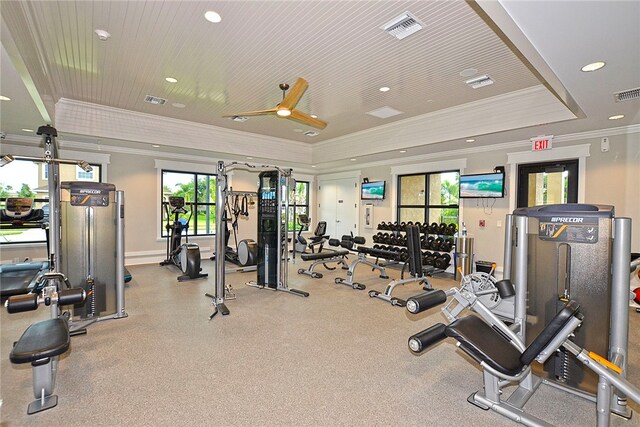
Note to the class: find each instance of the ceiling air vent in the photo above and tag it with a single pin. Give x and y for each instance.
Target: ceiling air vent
(239, 118)
(481, 81)
(627, 95)
(154, 100)
(311, 133)
(403, 26)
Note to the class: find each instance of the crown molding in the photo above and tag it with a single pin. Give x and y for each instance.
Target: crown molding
(622, 130)
(99, 121)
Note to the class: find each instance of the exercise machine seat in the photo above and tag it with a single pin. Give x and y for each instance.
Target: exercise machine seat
(483, 344)
(41, 340)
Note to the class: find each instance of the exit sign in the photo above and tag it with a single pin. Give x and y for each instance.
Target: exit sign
(542, 143)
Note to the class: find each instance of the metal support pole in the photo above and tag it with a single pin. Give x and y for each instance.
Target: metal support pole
(619, 332)
(218, 295)
(508, 245)
(519, 273)
(120, 308)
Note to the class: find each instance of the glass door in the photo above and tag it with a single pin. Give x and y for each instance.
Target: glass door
(548, 183)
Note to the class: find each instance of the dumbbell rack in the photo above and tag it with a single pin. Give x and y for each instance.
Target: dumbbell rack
(390, 236)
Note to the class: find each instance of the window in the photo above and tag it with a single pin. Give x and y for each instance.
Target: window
(83, 176)
(548, 183)
(429, 198)
(22, 178)
(300, 196)
(199, 192)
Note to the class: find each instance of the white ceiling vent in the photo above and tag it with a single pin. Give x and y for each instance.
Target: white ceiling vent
(403, 26)
(384, 112)
(311, 133)
(155, 100)
(239, 118)
(480, 81)
(627, 95)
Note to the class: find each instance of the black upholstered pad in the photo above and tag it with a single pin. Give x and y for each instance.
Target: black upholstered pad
(324, 255)
(43, 339)
(542, 340)
(485, 345)
(378, 253)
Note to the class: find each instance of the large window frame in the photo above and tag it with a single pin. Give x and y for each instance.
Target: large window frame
(570, 166)
(427, 206)
(43, 202)
(198, 206)
(300, 208)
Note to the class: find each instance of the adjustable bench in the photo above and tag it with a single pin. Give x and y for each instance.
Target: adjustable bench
(349, 242)
(331, 255)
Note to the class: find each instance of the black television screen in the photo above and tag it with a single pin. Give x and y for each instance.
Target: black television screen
(482, 185)
(372, 190)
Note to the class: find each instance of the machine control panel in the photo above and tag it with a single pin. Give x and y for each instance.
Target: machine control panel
(89, 197)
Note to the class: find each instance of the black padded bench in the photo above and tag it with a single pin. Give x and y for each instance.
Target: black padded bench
(331, 255)
(40, 345)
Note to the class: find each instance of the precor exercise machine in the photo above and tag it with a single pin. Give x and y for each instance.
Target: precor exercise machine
(558, 257)
(92, 243)
(272, 245)
(185, 256)
(43, 342)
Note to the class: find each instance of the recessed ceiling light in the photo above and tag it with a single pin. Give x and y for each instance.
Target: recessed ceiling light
(27, 130)
(249, 158)
(403, 151)
(171, 80)
(353, 160)
(470, 140)
(155, 145)
(616, 117)
(212, 16)
(593, 66)
(468, 72)
(314, 116)
(178, 105)
(102, 35)
(384, 89)
(313, 166)
(4, 98)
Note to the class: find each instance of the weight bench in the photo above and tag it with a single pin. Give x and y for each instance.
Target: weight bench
(349, 242)
(331, 255)
(506, 361)
(42, 343)
(416, 270)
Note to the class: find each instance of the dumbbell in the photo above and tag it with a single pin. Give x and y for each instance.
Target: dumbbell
(443, 261)
(451, 229)
(433, 228)
(419, 225)
(442, 228)
(429, 258)
(446, 245)
(385, 238)
(435, 244)
(382, 225)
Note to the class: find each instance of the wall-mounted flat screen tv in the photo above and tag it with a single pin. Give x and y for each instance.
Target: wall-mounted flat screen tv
(482, 185)
(372, 190)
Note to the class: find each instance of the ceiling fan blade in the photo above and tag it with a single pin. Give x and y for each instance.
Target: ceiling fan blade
(301, 117)
(295, 93)
(253, 113)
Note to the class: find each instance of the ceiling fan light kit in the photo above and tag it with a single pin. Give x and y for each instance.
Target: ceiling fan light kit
(286, 108)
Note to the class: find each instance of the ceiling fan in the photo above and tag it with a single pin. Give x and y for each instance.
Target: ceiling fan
(286, 108)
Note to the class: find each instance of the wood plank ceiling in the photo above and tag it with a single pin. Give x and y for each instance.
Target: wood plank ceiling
(236, 65)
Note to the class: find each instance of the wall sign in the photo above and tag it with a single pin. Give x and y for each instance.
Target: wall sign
(544, 142)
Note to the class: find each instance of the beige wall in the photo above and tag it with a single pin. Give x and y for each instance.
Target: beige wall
(611, 178)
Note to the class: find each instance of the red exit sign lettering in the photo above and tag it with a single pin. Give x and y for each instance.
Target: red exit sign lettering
(542, 143)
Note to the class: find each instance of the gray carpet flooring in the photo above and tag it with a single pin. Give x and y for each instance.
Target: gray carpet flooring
(335, 358)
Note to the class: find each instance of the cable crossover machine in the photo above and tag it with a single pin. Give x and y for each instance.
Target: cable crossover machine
(272, 246)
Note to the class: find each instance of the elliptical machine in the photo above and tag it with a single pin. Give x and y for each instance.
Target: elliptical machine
(185, 256)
